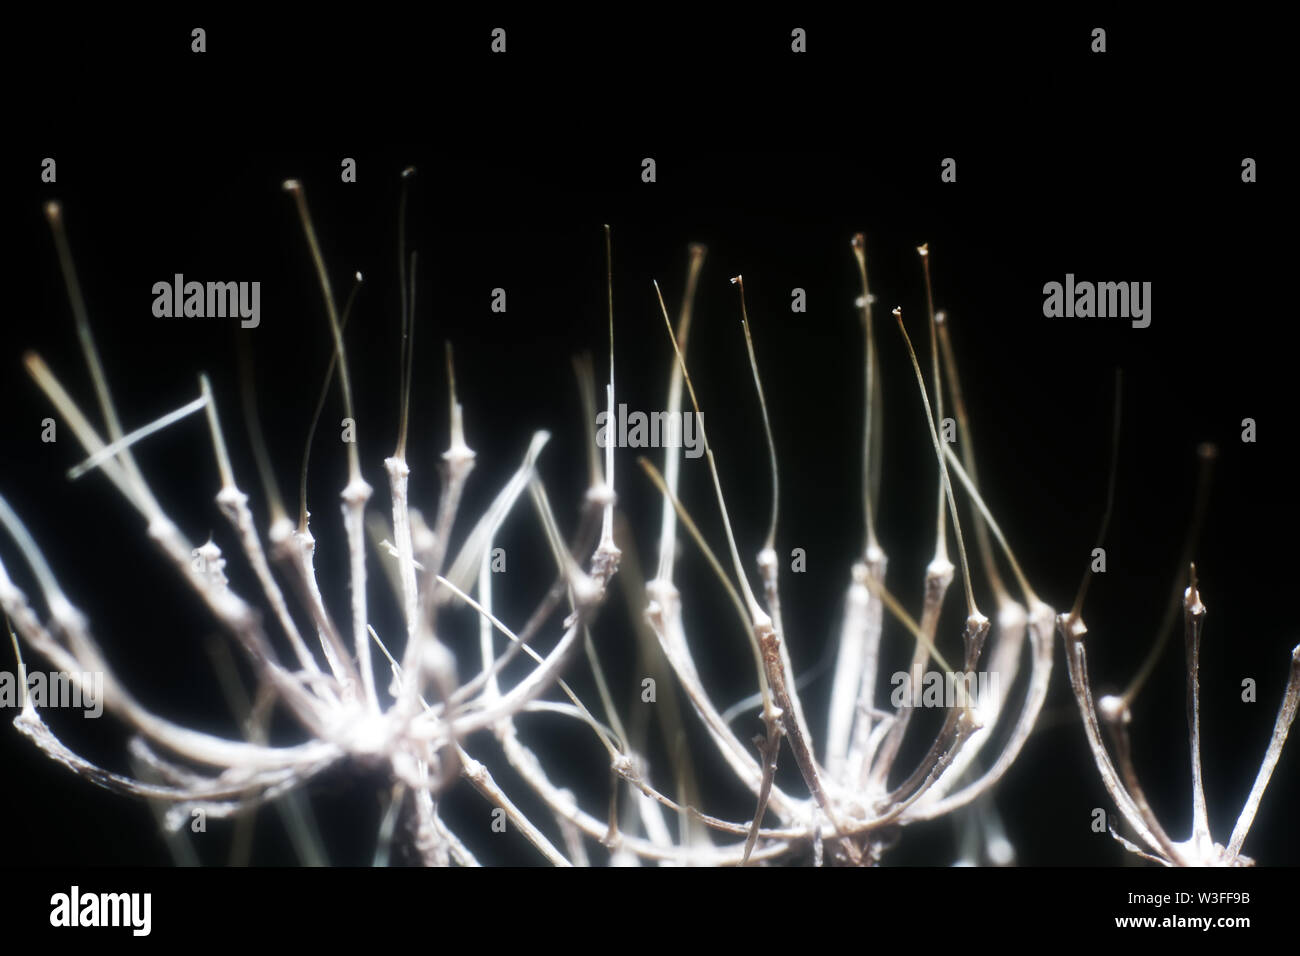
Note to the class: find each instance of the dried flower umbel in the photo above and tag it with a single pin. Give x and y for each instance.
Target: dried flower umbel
(1114, 712)
(420, 726)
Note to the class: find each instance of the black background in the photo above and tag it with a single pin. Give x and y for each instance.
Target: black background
(1117, 167)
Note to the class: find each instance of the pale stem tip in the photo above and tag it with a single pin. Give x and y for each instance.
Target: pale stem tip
(1112, 709)
(1071, 626)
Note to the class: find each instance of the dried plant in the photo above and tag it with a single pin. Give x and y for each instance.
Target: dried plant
(859, 791)
(1114, 711)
